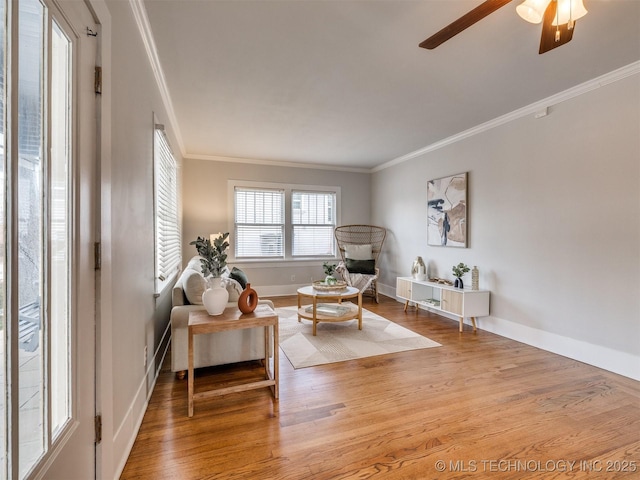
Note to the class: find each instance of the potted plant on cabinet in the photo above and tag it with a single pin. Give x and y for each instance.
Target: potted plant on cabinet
(458, 271)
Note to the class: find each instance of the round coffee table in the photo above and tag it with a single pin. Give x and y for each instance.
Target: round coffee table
(327, 306)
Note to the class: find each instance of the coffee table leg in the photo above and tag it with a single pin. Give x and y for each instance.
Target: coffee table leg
(315, 315)
(359, 310)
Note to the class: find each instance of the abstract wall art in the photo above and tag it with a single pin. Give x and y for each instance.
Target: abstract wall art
(447, 211)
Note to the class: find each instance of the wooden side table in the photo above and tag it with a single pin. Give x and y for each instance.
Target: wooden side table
(233, 319)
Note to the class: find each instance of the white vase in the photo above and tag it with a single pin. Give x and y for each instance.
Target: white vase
(419, 269)
(215, 297)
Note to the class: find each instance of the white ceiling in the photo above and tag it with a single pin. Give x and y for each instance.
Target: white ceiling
(344, 83)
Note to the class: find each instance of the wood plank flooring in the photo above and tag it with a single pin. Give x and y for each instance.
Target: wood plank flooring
(481, 406)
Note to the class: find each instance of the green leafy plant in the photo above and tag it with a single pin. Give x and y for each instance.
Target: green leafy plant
(214, 257)
(460, 269)
(329, 268)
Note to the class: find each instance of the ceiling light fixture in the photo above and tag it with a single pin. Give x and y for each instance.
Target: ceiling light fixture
(568, 11)
(532, 10)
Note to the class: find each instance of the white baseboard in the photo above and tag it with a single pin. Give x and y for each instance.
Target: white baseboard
(127, 431)
(606, 358)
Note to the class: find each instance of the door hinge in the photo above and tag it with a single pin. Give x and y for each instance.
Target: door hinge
(97, 82)
(98, 425)
(97, 256)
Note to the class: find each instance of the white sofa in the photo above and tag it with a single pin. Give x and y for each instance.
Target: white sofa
(215, 348)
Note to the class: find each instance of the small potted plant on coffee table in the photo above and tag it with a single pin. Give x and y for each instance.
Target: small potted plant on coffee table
(329, 270)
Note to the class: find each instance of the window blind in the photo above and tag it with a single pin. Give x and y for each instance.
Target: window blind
(313, 218)
(259, 222)
(168, 255)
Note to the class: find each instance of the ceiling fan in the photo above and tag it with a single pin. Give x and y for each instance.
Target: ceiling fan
(557, 16)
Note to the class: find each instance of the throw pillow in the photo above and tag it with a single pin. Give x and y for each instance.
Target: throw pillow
(367, 267)
(239, 276)
(233, 287)
(194, 286)
(358, 252)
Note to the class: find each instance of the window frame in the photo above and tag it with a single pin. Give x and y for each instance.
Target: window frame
(163, 278)
(288, 189)
(332, 225)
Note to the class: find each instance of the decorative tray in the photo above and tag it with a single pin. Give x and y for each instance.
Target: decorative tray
(321, 286)
(441, 281)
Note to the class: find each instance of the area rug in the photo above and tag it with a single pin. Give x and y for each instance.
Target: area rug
(340, 341)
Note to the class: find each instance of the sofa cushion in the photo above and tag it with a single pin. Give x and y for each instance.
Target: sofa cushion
(358, 252)
(194, 286)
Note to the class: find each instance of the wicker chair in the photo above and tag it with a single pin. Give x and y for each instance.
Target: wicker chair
(347, 235)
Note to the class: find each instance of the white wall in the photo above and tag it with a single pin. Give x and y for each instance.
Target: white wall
(137, 319)
(206, 210)
(554, 224)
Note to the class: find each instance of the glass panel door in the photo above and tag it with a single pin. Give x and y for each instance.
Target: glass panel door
(36, 240)
(31, 415)
(60, 228)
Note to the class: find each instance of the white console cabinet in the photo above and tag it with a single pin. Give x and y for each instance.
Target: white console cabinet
(444, 298)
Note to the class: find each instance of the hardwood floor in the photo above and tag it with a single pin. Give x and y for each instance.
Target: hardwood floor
(481, 406)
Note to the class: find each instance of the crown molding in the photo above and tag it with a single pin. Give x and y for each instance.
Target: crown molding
(142, 21)
(276, 163)
(581, 89)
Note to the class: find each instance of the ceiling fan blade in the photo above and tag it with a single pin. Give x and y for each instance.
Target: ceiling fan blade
(548, 38)
(464, 22)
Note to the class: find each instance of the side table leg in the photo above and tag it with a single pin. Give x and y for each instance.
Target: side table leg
(267, 346)
(276, 361)
(190, 379)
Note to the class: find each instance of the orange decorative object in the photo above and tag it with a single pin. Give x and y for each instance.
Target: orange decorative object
(248, 300)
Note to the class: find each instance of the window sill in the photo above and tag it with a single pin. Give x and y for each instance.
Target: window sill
(287, 262)
(166, 285)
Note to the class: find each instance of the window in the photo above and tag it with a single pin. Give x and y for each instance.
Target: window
(313, 220)
(276, 221)
(259, 222)
(168, 256)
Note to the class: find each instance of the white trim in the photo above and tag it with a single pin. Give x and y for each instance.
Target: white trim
(103, 215)
(276, 163)
(599, 356)
(126, 433)
(615, 361)
(532, 109)
(142, 20)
